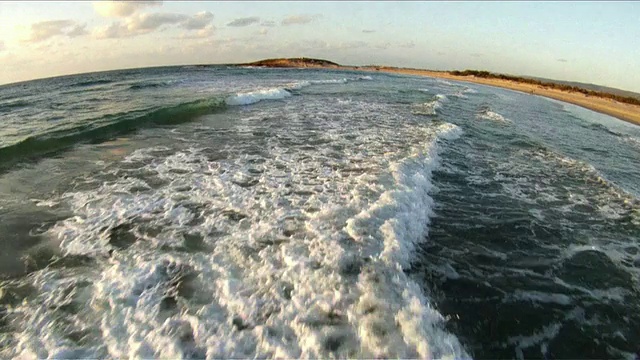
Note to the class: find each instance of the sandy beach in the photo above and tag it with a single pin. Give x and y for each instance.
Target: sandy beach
(622, 111)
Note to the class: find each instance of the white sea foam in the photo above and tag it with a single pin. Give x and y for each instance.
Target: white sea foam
(299, 254)
(493, 116)
(329, 81)
(631, 140)
(279, 93)
(445, 82)
(253, 97)
(431, 107)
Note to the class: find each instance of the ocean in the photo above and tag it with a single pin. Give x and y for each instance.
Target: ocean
(238, 212)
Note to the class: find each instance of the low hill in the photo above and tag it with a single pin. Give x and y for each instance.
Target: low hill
(552, 84)
(293, 62)
(594, 87)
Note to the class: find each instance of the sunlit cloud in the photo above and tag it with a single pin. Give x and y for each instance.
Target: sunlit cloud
(140, 24)
(78, 30)
(244, 21)
(113, 31)
(121, 8)
(44, 30)
(299, 19)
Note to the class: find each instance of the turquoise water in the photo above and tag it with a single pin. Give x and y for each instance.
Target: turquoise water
(214, 211)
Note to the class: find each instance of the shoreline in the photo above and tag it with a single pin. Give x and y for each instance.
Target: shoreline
(625, 112)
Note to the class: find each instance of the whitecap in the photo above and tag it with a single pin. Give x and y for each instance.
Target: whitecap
(253, 97)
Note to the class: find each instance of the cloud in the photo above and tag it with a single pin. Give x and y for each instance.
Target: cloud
(244, 21)
(113, 31)
(476, 55)
(317, 44)
(44, 30)
(263, 31)
(77, 30)
(408, 45)
(268, 23)
(368, 31)
(153, 21)
(198, 21)
(2, 45)
(351, 45)
(141, 24)
(562, 60)
(299, 19)
(203, 33)
(121, 8)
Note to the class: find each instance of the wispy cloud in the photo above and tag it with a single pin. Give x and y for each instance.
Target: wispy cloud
(299, 19)
(244, 21)
(562, 60)
(153, 21)
(141, 24)
(317, 44)
(44, 30)
(366, 31)
(268, 23)
(204, 33)
(407, 45)
(121, 8)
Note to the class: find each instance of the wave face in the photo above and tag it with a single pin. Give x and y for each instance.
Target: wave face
(105, 128)
(228, 212)
(95, 118)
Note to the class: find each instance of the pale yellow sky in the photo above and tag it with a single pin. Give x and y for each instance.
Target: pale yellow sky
(588, 42)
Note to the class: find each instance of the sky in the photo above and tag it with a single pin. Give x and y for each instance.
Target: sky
(590, 41)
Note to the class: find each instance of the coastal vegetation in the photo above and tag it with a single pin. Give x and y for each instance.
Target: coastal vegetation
(547, 85)
(293, 62)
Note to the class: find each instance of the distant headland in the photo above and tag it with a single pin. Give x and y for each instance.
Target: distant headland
(294, 62)
(617, 103)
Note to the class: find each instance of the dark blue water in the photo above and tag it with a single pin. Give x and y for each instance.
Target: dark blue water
(217, 212)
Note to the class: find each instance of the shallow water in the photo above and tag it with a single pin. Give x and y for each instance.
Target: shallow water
(232, 212)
